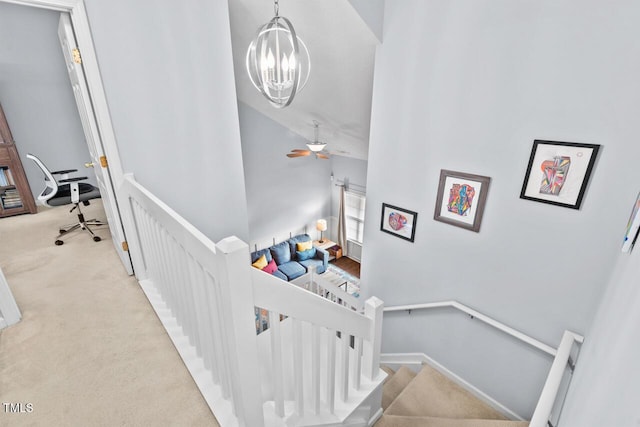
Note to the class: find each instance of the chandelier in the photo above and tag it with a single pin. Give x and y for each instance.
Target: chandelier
(278, 61)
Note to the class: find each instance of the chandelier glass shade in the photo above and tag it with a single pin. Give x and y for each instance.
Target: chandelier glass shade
(278, 61)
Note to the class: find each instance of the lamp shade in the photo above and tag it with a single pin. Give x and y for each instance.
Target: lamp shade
(321, 225)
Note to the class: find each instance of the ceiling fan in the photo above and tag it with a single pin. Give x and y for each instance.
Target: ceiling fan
(316, 147)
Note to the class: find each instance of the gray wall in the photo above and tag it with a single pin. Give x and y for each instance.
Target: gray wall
(36, 94)
(606, 384)
(168, 75)
(282, 192)
(476, 85)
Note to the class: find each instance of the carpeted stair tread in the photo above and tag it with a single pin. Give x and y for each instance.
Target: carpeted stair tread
(395, 384)
(431, 394)
(409, 421)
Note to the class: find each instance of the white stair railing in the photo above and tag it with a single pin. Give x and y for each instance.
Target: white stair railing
(205, 294)
(339, 347)
(331, 291)
(202, 293)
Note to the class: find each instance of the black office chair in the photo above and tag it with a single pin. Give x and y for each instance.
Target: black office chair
(66, 191)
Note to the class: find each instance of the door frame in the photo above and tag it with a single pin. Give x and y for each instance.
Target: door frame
(80, 23)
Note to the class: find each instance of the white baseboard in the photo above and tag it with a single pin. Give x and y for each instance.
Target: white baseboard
(375, 418)
(416, 359)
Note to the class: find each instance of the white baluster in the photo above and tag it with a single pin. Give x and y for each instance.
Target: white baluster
(276, 354)
(331, 370)
(193, 276)
(297, 367)
(344, 362)
(315, 368)
(218, 328)
(356, 367)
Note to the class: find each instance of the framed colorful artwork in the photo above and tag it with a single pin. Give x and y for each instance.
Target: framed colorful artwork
(461, 199)
(558, 172)
(399, 222)
(633, 226)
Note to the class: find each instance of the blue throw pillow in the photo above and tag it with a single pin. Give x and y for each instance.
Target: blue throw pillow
(308, 254)
(298, 239)
(281, 253)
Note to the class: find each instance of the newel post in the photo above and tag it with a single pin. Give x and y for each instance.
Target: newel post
(239, 330)
(373, 309)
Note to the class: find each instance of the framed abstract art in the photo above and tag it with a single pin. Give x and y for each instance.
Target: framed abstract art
(399, 222)
(461, 199)
(558, 172)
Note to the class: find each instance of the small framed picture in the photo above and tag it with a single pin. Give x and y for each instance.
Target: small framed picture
(399, 222)
(461, 199)
(558, 172)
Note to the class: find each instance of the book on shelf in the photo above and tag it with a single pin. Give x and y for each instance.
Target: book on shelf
(9, 176)
(11, 199)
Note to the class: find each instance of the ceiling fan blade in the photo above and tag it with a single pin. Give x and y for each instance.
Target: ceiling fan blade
(298, 154)
(297, 150)
(322, 156)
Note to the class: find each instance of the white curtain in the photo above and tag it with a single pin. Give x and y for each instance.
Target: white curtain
(342, 223)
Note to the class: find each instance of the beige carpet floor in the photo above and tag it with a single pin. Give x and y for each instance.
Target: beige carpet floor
(89, 350)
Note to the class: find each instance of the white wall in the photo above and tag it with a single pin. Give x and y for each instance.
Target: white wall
(606, 384)
(168, 75)
(36, 94)
(283, 193)
(468, 86)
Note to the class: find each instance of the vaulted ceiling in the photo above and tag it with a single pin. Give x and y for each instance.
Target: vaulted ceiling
(338, 93)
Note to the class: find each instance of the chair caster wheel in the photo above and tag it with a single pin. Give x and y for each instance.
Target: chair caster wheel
(59, 243)
(62, 231)
(96, 238)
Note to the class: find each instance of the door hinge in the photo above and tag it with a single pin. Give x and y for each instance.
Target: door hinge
(125, 246)
(103, 161)
(76, 55)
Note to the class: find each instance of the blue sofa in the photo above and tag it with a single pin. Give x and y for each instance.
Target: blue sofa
(292, 263)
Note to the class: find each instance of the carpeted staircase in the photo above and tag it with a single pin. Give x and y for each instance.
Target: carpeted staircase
(430, 399)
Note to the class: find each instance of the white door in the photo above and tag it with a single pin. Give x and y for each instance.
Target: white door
(100, 162)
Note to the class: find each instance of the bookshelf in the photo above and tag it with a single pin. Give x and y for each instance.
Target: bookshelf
(15, 194)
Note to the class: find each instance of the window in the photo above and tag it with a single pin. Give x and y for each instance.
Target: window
(354, 212)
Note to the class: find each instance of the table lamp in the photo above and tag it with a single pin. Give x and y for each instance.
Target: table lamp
(321, 225)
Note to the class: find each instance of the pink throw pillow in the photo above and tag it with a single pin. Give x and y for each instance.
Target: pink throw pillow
(271, 267)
